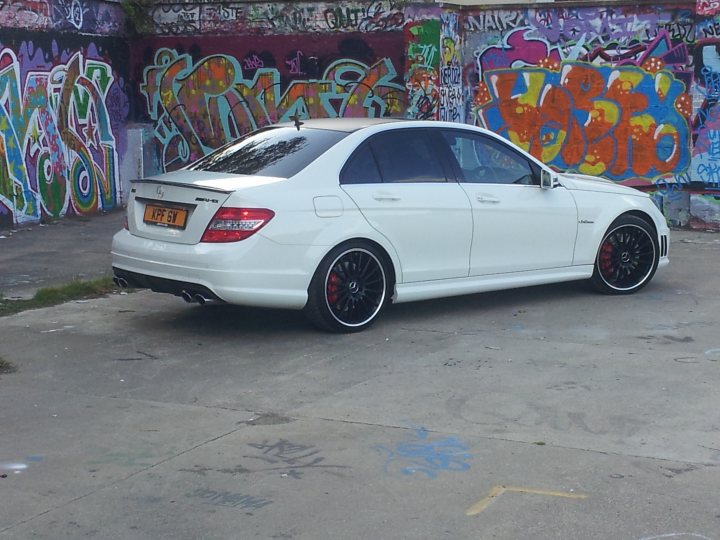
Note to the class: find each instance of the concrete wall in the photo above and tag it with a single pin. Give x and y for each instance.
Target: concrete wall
(627, 92)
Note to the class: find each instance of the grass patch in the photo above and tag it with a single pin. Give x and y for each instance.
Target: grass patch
(52, 296)
(6, 366)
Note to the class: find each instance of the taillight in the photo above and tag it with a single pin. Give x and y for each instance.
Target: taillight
(125, 223)
(234, 224)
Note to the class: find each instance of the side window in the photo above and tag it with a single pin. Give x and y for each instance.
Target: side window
(406, 155)
(482, 160)
(361, 168)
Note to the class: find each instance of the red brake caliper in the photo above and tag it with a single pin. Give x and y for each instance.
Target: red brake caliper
(606, 252)
(332, 287)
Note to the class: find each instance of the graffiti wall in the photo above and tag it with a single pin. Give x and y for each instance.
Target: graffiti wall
(422, 79)
(626, 92)
(705, 169)
(312, 59)
(596, 90)
(63, 109)
(452, 103)
(255, 18)
(201, 93)
(83, 16)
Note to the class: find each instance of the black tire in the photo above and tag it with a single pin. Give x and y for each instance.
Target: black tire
(627, 257)
(350, 288)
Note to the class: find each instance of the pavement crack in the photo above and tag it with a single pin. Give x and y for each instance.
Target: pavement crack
(516, 441)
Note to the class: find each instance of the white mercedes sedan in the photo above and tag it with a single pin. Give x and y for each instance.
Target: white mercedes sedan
(342, 217)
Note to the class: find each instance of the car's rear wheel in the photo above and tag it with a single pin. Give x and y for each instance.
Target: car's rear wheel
(627, 258)
(349, 289)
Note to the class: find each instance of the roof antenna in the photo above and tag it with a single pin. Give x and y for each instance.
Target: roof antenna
(296, 118)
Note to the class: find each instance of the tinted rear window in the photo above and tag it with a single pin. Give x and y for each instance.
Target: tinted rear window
(406, 155)
(361, 168)
(281, 152)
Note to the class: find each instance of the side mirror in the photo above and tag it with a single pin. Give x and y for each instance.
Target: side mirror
(548, 179)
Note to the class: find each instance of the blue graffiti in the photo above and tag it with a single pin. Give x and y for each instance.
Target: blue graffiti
(425, 456)
(712, 82)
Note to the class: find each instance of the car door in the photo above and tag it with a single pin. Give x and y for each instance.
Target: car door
(399, 182)
(517, 225)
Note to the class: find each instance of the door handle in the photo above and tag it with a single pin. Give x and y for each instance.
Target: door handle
(382, 196)
(485, 199)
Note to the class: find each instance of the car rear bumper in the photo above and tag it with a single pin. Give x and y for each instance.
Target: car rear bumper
(185, 289)
(254, 272)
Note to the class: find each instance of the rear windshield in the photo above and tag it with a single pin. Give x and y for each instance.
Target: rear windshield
(281, 152)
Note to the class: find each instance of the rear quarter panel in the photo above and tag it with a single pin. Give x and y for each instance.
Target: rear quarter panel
(296, 221)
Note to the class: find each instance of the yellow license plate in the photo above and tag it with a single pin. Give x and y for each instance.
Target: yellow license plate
(166, 216)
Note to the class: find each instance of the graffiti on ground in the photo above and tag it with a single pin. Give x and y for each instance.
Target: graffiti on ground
(422, 455)
(228, 498)
(289, 457)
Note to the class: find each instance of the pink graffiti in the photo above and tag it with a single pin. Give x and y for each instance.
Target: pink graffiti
(517, 48)
(708, 7)
(30, 14)
(253, 62)
(661, 48)
(294, 64)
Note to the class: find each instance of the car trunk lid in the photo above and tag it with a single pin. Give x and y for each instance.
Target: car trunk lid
(177, 207)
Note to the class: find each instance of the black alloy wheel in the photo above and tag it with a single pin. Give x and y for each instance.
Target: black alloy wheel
(349, 289)
(627, 258)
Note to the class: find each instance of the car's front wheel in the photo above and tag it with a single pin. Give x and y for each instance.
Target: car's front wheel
(349, 289)
(627, 258)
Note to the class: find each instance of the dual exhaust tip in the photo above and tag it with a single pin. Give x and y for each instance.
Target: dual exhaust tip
(188, 296)
(191, 298)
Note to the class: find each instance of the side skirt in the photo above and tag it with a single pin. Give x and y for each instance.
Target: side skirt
(427, 290)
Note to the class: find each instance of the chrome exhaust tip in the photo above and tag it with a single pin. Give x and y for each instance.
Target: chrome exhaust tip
(187, 297)
(200, 299)
(120, 282)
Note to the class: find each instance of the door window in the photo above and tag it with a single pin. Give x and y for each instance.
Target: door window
(406, 155)
(399, 156)
(483, 160)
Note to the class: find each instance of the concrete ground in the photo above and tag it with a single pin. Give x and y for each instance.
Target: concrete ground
(541, 413)
(36, 256)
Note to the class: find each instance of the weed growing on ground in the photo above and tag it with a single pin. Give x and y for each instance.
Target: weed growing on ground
(52, 296)
(6, 366)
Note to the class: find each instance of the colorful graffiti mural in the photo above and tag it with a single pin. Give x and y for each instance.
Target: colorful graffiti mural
(618, 122)
(596, 90)
(198, 105)
(58, 149)
(706, 125)
(422, 80)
